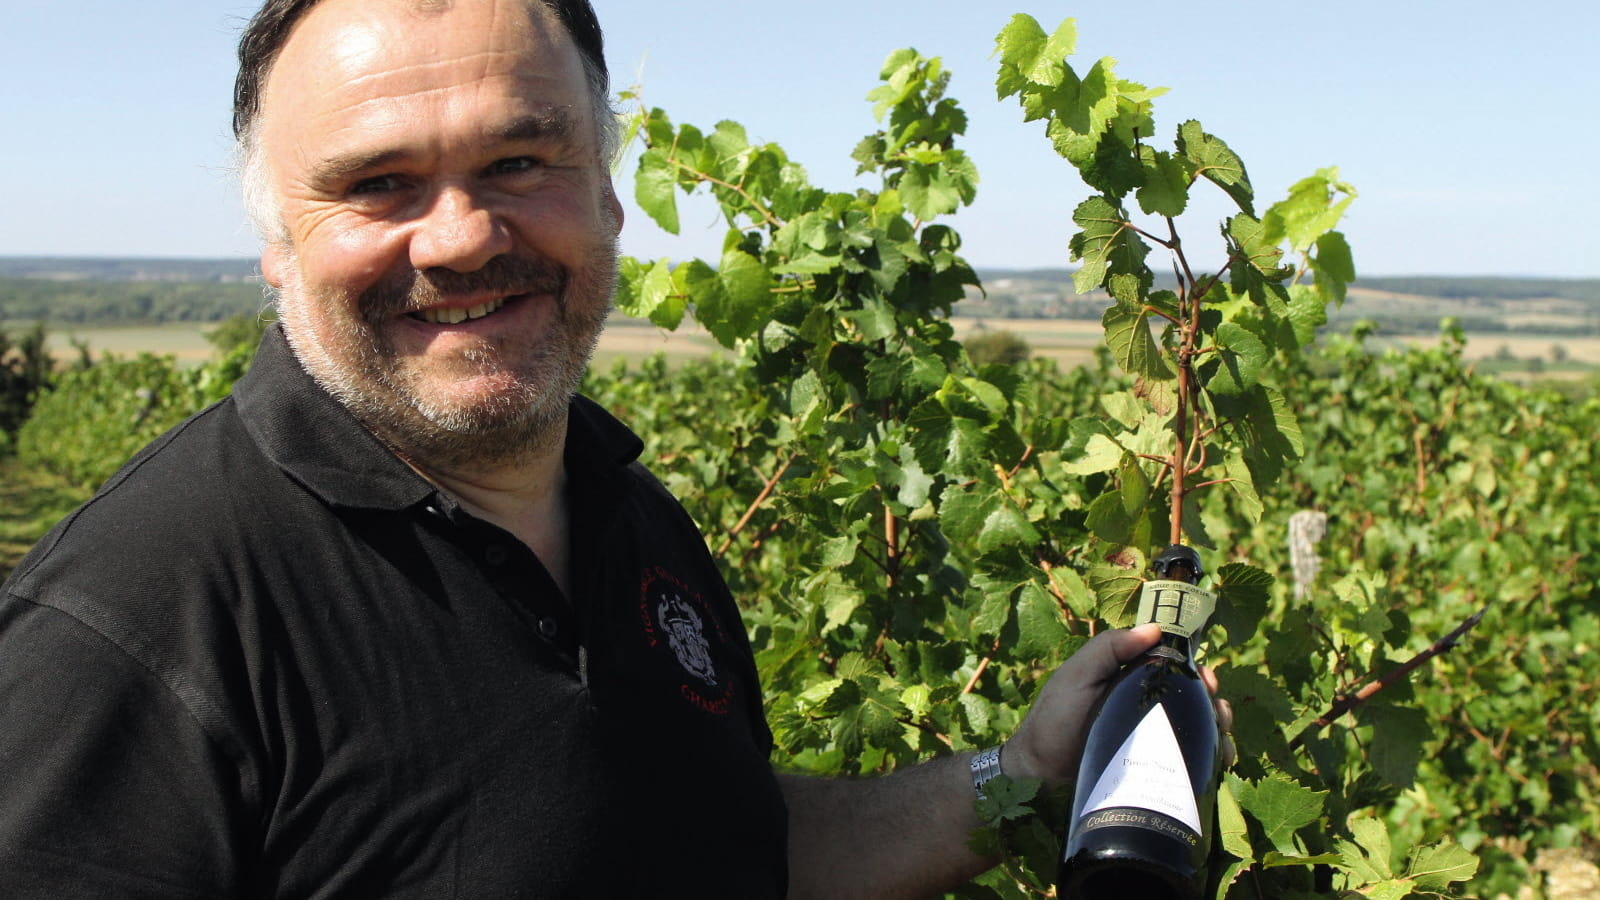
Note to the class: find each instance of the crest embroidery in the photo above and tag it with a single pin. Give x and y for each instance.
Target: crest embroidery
(686, 636)
(673, 616)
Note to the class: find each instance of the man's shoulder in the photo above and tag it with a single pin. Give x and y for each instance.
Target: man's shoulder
(174, 514)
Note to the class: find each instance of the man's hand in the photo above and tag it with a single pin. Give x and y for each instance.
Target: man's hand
(905, 835)
(1049, 743)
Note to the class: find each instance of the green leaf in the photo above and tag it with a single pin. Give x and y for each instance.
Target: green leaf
(1216, 163)
(728, 140)
(1110, 522)
(1135, 491)
(1308, 311)
(928, 192)
(1333, 267)
(1132, 344)
(994, 609)
(1242, 483)
(1072, 586)
(1030, 55)
(1106, 245)
(1041, 632)
(1436, 866)
(1241, 357)
(1261, 707)
(1006, 526)
(1165, 191)
(654, 295)
(1310, 211)
(918, 700)
(1231, 827)
(654, 187)
(1243, 592)
(1004, 798)
(1398, 736)
(1116, 587)
(1257, 257)
(1100, 454)
(748, 288)
(839, 600)
(1281, 805)
(1374, 860)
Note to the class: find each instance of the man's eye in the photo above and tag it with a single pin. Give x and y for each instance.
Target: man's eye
(379, 184)
(513, 165)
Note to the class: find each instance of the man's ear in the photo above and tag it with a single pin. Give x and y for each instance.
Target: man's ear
(275, 264)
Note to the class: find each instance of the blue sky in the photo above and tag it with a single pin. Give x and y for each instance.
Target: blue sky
(1468, 128)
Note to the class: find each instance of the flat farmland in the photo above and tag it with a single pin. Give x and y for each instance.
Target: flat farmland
(1070, 342)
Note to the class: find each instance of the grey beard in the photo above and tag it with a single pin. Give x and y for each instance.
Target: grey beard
(520, 425)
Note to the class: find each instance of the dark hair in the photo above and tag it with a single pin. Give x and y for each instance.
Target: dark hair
(264, 38)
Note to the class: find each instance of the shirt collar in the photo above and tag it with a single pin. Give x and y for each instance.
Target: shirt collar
(315, 440)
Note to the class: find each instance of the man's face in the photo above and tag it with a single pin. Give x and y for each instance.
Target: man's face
(450, 246)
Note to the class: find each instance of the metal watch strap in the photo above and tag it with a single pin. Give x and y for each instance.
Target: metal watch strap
(985, 766)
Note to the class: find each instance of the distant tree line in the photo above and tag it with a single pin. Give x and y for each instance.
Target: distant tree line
(1488, 288)
(127, 268)
(1447, 287)
(85, 302)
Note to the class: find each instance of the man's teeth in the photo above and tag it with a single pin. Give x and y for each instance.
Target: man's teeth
(454, 315)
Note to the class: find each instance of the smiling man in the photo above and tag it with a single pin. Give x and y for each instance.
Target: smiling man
(404, 616)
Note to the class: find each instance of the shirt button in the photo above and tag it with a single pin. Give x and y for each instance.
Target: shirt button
(494, 555)
(548, 627)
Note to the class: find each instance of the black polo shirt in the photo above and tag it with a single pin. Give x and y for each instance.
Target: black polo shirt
(269, 660)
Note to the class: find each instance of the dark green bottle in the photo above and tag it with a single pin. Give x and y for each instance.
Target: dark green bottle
(1144, 806)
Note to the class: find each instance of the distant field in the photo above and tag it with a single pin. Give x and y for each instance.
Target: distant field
(1069, 342)
(187, 342)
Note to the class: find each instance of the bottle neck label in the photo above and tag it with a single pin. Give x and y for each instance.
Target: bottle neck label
(1178, 607)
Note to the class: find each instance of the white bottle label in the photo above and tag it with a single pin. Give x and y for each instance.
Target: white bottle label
(1148, 772)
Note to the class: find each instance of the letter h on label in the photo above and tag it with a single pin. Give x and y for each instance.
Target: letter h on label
(1169, 606)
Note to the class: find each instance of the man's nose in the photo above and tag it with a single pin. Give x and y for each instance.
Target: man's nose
(458, 233)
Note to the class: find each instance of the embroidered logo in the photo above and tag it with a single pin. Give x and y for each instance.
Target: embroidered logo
(686, 636)
(674, 618)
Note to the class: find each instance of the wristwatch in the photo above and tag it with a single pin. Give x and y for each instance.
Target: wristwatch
(985, 766)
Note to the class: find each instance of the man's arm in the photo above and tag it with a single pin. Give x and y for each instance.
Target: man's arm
(905, 834)
(109, 788)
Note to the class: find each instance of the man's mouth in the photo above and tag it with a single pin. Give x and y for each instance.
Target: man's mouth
(457, 315)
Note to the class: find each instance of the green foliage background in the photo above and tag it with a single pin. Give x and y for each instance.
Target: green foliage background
(917, 541)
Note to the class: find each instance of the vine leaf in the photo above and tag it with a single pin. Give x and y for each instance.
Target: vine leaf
(1116, 585)
(1216, 163)
(1398, 736)
(1030, 57)
(1242, 595)
(1040, 629)
(1107, 244)
(1281, 805)
(1314, 205)
(653, 189)
(1131, 343)
(1332, 267)
(1241, 356)
(1167, 177)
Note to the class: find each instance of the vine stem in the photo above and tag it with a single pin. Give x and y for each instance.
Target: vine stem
(983, 666)
(1350, 701)
(766, 491)
(766, 216)
(1189, 311)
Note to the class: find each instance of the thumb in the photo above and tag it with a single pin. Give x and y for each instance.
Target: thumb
(1105, 654)
(1128, 644)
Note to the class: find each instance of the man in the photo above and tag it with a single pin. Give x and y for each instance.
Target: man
(403, 617)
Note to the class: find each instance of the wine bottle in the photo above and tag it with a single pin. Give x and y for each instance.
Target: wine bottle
(1144, 805)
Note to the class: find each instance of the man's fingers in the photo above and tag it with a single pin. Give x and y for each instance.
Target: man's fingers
(1127, 645)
